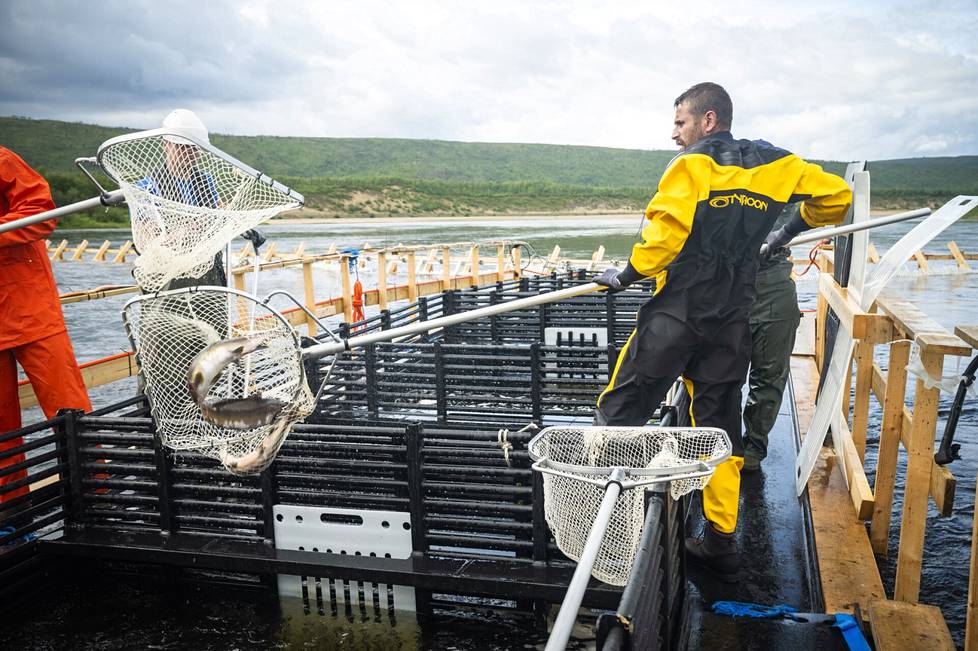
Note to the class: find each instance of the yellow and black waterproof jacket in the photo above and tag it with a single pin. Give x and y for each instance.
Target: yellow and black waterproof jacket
(715, 204)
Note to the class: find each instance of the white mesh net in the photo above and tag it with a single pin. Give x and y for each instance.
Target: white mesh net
(588, 454)
(169, 329)
(186, 202)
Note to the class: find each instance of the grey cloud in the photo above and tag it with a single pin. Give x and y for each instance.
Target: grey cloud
(142, 52)
(835, 80)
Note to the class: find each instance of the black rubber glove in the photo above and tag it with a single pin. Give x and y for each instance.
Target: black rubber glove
(255, 236)
(616, 280)
(775, 240)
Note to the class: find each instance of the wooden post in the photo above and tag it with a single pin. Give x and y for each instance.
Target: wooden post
(239, 281)
(310, 295)
(79, 250)
(429, 262)
(874, 257)
(382, 279)
(60, 251)
(860, 408)
(517, 252)
(446, 268)
(821, 314)
(123, 251)
(921, 261)
(346, 288)
(500, 262)
(596, 257)
(100, 254)
(474, 253)
(412, 278)
(847, 392)
(959, 258)
(300, 249)
(269, 252)
(920, 456)
(971, 619)
(460, 267)
(552, 260)
(890, 429)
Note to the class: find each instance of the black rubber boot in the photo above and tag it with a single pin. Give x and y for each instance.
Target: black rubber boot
(716, 552)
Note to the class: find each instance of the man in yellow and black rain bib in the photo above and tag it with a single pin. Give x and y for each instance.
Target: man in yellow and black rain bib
(714, 208)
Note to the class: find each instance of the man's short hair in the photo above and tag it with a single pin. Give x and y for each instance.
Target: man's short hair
(708, 96)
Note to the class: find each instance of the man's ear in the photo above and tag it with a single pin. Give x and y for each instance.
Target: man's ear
(709, 122)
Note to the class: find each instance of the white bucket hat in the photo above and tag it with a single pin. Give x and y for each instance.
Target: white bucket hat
(185, 122)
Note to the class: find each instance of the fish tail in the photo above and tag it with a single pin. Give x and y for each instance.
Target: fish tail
(258, 459)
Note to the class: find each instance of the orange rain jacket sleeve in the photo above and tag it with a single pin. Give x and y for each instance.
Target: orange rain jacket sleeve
(29, 305)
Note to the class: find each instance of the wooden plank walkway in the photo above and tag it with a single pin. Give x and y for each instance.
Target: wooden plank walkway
(847, 568)
(898, 625)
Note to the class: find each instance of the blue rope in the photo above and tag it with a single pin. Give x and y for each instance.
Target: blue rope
(744, 609)
(6, 531)
(847, 624)
(353, 252)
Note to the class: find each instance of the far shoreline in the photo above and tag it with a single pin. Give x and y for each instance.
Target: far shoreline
(316, 218)
(495, 217)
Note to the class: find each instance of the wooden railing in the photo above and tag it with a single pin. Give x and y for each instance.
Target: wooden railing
(897, 325)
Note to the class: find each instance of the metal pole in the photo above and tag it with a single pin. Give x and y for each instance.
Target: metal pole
(111, 199)
(322, 350)
(821, 234)
(564, 623)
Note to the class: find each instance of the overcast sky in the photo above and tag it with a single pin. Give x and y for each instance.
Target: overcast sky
(837, 80)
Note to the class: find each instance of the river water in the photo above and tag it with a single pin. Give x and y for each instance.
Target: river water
(949, 297)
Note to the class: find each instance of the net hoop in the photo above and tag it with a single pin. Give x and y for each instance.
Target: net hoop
(186, 201)
(167, 331)
(579, 463)
(539, 451)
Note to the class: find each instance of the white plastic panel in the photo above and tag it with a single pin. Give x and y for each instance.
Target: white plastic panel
(352, 532)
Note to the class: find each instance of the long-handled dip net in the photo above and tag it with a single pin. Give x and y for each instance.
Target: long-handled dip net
(577, 463)
(186, 200)
(250, 386)
(590, 477)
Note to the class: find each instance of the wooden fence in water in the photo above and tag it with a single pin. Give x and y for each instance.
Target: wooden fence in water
(852, 521)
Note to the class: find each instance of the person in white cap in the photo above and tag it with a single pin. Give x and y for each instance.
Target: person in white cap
(182, 180)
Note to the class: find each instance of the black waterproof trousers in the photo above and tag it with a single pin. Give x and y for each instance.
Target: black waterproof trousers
(712, 359)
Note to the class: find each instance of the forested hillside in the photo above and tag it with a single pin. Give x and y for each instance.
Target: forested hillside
(373, 176)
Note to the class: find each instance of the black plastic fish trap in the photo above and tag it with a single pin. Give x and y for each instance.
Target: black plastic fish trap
(546, 362)
(411, 426)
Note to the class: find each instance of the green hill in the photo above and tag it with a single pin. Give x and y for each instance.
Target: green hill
(54, 145)
(371, 176)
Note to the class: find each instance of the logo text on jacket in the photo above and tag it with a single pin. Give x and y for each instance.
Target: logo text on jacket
(724, 200)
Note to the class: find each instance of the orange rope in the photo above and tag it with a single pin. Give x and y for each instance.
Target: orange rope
(357, 301)
(811, 257)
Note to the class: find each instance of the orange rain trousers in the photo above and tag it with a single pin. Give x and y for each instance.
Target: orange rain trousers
(32, 328)
(51, 368)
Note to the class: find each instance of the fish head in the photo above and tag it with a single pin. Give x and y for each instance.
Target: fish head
(195, 380)
(246, 345)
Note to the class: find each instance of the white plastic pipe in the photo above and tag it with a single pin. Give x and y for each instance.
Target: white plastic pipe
(331, 348)
(564, 624)
(110, 199)
(823, 233)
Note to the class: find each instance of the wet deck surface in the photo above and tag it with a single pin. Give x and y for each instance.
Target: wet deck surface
(776, 560)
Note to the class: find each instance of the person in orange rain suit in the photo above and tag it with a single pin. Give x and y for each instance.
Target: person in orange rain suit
(32, 328)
